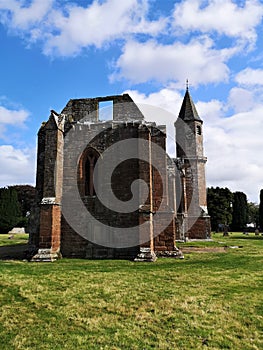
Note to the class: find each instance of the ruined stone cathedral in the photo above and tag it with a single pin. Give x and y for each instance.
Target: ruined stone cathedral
(107, 189)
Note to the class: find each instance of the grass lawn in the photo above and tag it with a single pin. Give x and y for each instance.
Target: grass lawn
(208, 300)
(20, 238)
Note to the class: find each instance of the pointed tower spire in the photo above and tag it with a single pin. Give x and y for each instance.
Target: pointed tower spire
(188, 111)
(195, 222)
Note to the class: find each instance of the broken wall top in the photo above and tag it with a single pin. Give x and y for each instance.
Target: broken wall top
(87, 109)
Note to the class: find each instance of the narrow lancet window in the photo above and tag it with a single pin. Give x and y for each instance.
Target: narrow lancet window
(87, 168)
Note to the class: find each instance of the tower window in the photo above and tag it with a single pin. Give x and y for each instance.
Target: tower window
(198, 130)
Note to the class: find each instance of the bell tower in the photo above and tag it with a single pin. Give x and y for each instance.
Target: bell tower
(191, 163)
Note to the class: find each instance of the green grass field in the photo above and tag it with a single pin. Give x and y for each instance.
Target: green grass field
(16, 239)
(209, 300)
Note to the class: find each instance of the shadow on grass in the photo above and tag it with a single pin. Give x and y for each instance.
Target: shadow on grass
(13, 252)
(255, 238)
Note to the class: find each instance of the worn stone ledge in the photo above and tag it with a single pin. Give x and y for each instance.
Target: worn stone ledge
(46, 255)
(146, 255)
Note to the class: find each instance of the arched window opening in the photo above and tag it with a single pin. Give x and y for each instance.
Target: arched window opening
(86, 170)
(90, 163)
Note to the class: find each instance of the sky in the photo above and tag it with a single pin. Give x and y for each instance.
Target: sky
(56, 50)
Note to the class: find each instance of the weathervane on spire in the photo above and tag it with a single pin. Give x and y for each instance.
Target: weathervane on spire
(187, 84)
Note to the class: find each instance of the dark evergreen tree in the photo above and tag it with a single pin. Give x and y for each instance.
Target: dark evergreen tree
(10, 213)
(219, 202)
(26, 198)
(240, 211)
(261, 210)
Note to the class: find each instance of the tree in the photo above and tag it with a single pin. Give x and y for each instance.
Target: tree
(261, 209)
(219, 203)
(253, 213)
(10, 213)
(240, 211)
(26, 197)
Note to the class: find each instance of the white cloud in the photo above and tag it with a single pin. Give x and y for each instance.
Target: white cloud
(249, 77)
(225, 17)
(241, 100)
(66, 30)
(23, 16)
(142, 62)
(168, 99)
(17, 166)
(233, 147)
(211, 110)
(13, 117)
(97, 24)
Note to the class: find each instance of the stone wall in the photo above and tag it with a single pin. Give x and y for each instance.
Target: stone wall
(64, 143)
(199, 228)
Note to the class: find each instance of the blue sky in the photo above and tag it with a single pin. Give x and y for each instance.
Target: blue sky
(52, 51)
